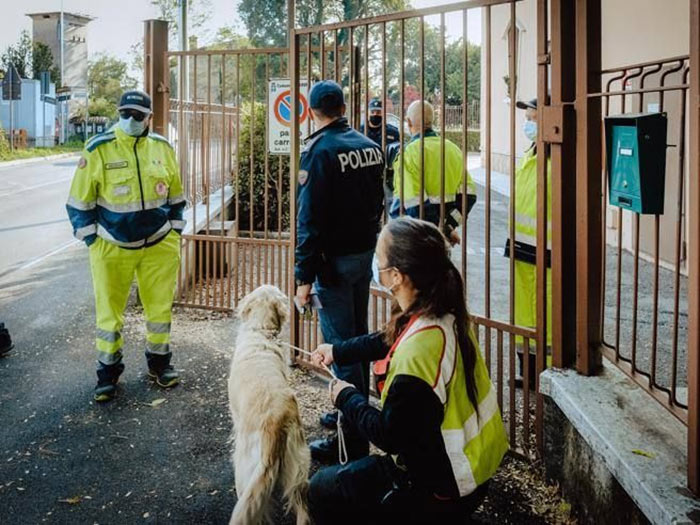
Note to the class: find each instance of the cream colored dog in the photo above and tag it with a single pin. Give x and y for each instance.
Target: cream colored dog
(269, 444)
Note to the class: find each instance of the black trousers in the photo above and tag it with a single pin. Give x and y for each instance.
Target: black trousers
(374, 490)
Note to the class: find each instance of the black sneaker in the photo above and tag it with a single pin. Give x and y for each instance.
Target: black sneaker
(329, 420)
(166, 377)
(5, 340)
(326, 450)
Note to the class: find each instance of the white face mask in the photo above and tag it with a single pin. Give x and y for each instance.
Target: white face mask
(133, 127)
(376, 272)
(530, 129)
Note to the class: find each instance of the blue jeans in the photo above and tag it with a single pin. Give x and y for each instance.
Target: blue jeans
(344, 294)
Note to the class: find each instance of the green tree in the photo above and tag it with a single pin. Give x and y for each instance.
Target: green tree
(266, 20)
(42, 60)
(19, 55)
(108, 78)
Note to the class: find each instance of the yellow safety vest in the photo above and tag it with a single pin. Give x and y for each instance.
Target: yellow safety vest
(454, 167)
(126, 190)
(526, 234)
(475, 445)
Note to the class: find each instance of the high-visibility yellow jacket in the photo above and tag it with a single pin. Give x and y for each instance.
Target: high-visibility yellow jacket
(454, 168)
(474, 443)
(126, 190)
(526, 243)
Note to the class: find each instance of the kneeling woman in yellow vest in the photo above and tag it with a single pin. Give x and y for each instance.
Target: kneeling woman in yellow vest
(439, 423)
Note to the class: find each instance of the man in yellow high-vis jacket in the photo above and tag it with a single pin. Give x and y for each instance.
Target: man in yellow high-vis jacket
(126, 203)
(454, 171)
(525, 245)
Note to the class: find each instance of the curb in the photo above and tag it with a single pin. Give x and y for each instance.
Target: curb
(34, 160)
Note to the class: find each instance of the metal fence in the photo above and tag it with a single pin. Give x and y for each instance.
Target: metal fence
(238, 236)
(648, 344)
(382, 62)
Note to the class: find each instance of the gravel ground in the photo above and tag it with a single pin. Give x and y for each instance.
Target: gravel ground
(155, 456)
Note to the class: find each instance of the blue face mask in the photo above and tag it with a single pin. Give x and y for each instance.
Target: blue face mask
(132, 127)
(530, 130)
(375, 275)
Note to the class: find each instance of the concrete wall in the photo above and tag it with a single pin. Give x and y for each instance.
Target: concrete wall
(31, 113)
(46, 29)
(634, 31)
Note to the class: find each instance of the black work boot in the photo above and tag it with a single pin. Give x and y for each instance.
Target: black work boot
(532, 371)
(329, 420)
(161, 371)
(327, 450)
(5, 340)
(107, 378)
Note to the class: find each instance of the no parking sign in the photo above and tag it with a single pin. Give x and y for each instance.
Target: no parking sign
(280, 114)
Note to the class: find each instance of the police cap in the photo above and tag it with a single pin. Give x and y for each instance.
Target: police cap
(326, 95)
(531, 104)
(375, 103)
(135, 99)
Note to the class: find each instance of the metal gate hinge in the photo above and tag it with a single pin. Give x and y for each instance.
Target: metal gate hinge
(553, 124)
(544, 59)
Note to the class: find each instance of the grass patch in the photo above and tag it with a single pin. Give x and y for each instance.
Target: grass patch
(6, 154)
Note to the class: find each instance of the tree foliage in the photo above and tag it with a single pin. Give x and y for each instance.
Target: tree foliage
(266, 20)
(30, 59)
(108, 78)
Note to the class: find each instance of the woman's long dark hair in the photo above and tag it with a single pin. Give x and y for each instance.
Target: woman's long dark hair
(420, 251)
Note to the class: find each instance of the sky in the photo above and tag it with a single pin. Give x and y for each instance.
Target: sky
(119, 24)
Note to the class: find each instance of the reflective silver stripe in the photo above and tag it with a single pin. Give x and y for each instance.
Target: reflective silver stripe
(109, 358)
(158, 348)
(160, 233)
(108, 237)
(102, 232)
(178, 225)
(83, 232)
(110, 337)
(529, 239)
(119, 208)
(177, 200)
(80, 205)
(131, 206)
(158, 328)
(152, 205)
(415, 201)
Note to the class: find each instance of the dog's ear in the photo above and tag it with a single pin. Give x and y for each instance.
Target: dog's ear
(246, 306)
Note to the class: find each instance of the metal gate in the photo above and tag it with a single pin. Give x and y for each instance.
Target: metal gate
(237, 236)
(391, 53)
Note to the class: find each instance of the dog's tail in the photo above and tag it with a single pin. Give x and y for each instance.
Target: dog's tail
(253, 503)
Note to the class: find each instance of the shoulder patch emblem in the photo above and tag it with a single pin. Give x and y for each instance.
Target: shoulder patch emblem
(161, 189)
(303, 177)
(82, 162)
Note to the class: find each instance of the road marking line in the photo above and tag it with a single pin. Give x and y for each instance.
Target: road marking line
(28, 188)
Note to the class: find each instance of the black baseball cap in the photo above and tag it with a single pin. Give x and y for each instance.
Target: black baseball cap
(531, 104)
(326, 95)
(135, 99)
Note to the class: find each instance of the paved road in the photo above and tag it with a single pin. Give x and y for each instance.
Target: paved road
(33, 221)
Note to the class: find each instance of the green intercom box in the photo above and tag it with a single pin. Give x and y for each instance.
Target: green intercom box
(636, 161)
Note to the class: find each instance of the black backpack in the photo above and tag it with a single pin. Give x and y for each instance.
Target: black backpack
(5, 340)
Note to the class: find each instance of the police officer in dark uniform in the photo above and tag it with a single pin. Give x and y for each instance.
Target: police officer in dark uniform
(376, 119)
(340, 204)
(393, 136)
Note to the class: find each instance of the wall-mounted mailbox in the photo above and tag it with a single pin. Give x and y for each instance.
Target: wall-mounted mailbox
(636, 161)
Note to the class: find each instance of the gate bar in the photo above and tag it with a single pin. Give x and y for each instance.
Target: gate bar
(694, 253)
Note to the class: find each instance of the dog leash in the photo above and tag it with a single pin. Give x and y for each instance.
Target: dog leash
(342, 449)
